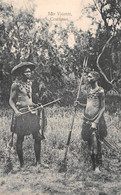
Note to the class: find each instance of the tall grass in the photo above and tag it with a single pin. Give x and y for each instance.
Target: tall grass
(59, 121)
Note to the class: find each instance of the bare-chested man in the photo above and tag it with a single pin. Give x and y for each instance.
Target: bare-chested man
(93, 114)
(21, 101)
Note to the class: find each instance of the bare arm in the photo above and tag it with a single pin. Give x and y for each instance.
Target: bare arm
(83, 93)
(102, 108)
(13, 96)
(80, 104)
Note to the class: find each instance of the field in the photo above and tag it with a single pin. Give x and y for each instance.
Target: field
(79, 178)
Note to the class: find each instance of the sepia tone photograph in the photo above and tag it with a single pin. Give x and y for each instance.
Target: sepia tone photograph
(60, 97)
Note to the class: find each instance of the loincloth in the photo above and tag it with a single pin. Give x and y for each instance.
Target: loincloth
(25, 124)
(86, 129)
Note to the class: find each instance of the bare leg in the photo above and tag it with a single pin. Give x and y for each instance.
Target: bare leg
(99, 155)
(19, 149)
(37, 148)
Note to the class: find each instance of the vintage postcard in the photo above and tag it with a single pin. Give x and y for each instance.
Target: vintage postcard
(60, 97)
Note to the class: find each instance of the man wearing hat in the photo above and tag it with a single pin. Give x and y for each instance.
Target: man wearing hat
(24, 121)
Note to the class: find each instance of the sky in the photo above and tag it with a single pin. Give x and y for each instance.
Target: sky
(54, 9)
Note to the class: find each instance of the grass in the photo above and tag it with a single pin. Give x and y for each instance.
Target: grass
(59, 121)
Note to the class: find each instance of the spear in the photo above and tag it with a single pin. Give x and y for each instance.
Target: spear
(63, 167)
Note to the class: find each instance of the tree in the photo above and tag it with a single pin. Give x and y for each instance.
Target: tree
(110, 11)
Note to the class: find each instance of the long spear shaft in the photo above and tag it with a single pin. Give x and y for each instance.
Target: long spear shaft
(70, 132)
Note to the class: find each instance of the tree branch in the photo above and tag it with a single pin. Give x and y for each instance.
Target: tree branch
(96, 6)
(98, 58)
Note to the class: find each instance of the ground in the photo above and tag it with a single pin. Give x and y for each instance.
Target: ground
(79, 179)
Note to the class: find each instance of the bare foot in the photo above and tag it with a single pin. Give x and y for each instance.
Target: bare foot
(97, 170)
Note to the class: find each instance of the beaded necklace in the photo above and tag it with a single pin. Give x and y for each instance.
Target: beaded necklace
(27, 86)
(93, 94)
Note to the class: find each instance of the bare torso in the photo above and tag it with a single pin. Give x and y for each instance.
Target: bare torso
(21, 94)
(93, 103)
(24, 94)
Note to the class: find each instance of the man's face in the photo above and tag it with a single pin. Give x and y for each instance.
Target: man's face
(91, 78)
(27, 73)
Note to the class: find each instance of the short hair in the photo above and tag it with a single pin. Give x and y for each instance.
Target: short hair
(95, 74)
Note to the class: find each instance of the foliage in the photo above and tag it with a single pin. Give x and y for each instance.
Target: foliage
(58, 51)
(110, 11)
(107, 27)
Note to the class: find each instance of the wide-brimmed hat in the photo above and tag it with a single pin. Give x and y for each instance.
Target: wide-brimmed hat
(20, 67)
